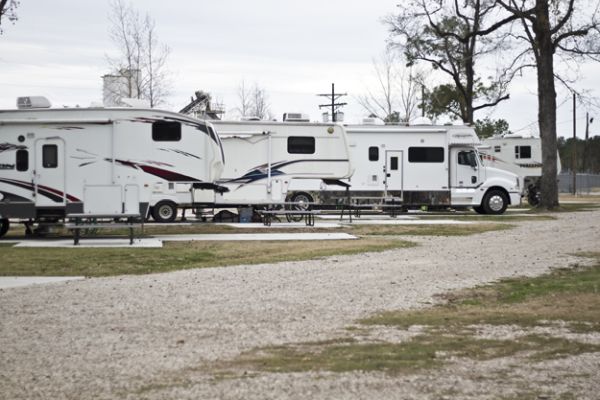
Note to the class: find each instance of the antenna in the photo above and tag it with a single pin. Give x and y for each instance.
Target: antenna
(334, 97)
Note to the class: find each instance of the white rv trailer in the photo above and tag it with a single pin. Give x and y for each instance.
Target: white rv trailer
(262, 158)
(412, 166)
(519, 154)
(55, 162)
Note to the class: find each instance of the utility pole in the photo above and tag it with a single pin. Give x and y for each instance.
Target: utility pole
(588, 121)
(574, 150)
(334, 97)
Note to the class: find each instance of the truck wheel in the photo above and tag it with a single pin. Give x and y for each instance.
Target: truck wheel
(479, 210)
(164, 211)
(302, 199)
(4, 225)
(495, 202)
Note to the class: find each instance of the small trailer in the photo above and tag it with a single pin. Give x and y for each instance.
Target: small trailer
(519, 154)
(262, 158)
(415, 166)
(101, 161)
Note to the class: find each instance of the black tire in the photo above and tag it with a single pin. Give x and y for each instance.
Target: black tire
(164, 211)
(479, 210)
(303, 199)
(495, 202)
(4, 225)
(533, 196)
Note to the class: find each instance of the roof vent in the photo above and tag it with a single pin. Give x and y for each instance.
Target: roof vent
(296, 117)
(369, 121)
(30, 102)
(250, 118)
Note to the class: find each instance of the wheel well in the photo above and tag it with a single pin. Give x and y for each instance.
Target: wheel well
(501, 189)
(300, 192)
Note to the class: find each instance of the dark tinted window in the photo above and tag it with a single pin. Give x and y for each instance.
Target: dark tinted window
(301, 145)
(50, 156)
(166, 131)
(374, 153)
(22, 160)
(464, 157)
(394, 163)
(426, 154)
(523, 151)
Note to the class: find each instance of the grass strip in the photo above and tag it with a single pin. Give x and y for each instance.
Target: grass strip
(173, 256)
(569, 298)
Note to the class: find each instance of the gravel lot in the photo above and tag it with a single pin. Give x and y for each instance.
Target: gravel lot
(155, 336)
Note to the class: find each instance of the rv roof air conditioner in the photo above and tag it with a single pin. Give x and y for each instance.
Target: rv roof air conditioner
(421, 121)
(296, 117)
(30, 102)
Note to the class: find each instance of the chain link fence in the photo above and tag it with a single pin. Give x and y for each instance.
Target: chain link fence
(585, 183)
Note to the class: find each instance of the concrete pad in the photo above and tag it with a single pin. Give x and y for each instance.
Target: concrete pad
(93, 243)
(360, 221)
(257, 236)
(19, 281)
(253, 225)
(380, 217)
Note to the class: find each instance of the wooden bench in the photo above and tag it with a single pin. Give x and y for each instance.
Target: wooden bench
(309, 215)
(90, 221)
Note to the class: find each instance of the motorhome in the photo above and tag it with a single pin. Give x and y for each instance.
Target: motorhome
(414, 166)
(262, 158)
(60, 161)
(519, 154)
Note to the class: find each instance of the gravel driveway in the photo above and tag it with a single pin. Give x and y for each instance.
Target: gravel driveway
(133, 336)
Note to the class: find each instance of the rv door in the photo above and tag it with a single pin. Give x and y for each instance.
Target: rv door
(464, 167)
(50, 171)
(393, 171)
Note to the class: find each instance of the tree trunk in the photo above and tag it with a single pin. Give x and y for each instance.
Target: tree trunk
(547, 106)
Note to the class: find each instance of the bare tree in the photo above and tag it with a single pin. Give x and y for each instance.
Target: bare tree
(394, 97)
(140, 67)
(244, 99)
(552, 29)
(260, 103)
(8, 9)
(253, 102)
(155, 77)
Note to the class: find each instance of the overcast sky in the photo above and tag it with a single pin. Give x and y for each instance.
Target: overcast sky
(293, 49)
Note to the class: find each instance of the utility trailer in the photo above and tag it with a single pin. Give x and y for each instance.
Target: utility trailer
(101, 161)
(407, 167)
(262, 158)
(519, 154)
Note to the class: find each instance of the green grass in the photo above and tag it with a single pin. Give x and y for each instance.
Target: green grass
(185, 255)
(570, 296)
(176, 256)
(428, 230)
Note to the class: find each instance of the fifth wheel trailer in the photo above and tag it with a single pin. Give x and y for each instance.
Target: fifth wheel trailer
(519, 154)
(413, 166)
(262, 158)
(55, 162)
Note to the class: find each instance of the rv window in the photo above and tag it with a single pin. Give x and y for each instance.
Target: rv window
(22, 160)
(522, 151)
(394, 163)
(50, 156)
(374, 153)
(166, 131)
(301, 145)
(497, 149)
(426, 154)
